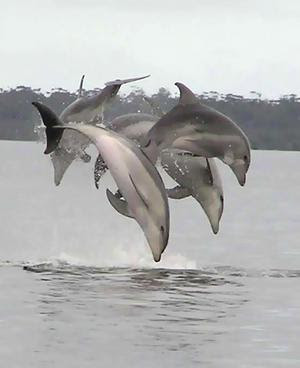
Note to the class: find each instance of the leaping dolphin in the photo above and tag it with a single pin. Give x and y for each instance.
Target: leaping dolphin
(136, 177)
(87, 109)
(202, 130)
(198, 177)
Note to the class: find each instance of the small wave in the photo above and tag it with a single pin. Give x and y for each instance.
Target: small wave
(129, 257)
(175, 263)
(243, 272)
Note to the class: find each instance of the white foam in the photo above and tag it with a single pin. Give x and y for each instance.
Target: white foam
(122, 256)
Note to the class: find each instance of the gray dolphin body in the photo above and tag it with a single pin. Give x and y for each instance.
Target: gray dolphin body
(87, 109)
(198, 177)
(134, 126)
(136, 177)
(194, 127)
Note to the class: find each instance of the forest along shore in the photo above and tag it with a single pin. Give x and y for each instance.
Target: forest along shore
(269, 124)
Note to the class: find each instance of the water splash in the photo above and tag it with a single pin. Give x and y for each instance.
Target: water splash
(124, 257)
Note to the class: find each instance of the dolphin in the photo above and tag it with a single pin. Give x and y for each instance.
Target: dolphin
(197, 177)
(134, 126)
(202, 130)
(87, 109)
(134, 174)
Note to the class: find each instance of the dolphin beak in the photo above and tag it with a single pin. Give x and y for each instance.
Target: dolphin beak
(240, 174)
(215, 227)
(242, 180)
(157, 258)
(156, 241)
(214, 219)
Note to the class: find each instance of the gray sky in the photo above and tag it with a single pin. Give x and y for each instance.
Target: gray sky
(224, 45)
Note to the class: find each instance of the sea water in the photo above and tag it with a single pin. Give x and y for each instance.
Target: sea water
(79, 288)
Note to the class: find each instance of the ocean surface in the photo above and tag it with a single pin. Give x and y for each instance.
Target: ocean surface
(79, 289)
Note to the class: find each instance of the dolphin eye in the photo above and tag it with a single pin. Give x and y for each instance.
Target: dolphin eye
(245, 158)
(221, 198)
(162, 229)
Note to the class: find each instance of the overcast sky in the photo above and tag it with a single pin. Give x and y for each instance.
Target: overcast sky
(224, 45)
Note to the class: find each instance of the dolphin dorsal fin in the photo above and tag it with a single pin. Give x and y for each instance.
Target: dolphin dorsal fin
(187, 97)
(80, 86)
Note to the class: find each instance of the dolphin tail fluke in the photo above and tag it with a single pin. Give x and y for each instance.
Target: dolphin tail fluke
(120, 205)
(50, 120)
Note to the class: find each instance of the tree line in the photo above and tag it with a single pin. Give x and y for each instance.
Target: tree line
(269, 124)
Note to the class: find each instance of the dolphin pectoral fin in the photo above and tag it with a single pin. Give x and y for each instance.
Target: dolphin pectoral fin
(120, 205)
(80, 86)
(51, 121)
(143, 199)
(119, 82)
(178, 192)
(61, 160)
(100, 169)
